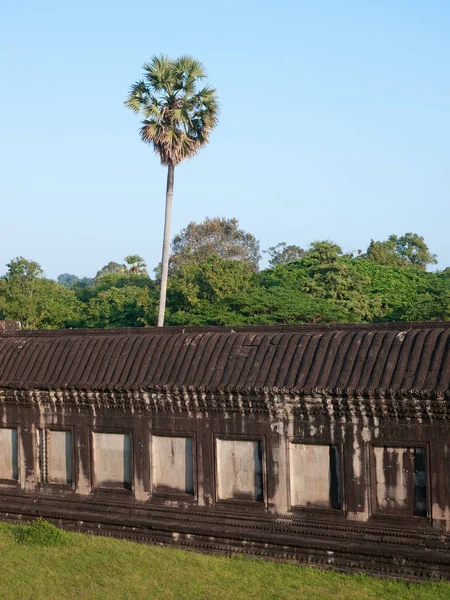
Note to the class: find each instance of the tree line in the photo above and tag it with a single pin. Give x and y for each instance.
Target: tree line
(214, 279)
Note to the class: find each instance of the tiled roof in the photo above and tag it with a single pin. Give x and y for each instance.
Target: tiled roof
(359, 359)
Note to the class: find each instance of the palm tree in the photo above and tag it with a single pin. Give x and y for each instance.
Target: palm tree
(135, 264)
(179, 115)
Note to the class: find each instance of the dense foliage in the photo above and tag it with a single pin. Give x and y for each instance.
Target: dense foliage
(219, 236)
(389, 282)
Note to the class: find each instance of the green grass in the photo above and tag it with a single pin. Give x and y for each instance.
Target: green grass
(104, 568)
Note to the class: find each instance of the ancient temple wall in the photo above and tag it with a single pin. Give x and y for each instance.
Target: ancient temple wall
(322, 460)
(320, 455)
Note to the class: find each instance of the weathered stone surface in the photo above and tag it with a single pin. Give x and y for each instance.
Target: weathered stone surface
(8, 453)
(9, 325)
(59, 457)
(172, 464)
(112, 459)
(310, 475)
(239, 470)
(340, 360)
(263, 458)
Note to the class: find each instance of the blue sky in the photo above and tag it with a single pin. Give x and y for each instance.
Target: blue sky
(335, 124)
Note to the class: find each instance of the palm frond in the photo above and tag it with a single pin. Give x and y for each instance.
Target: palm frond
(178, 114)
(152, 109)
(190, 66)
(137, 96)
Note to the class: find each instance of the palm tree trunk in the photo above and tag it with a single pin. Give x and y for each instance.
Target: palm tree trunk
(166, 246)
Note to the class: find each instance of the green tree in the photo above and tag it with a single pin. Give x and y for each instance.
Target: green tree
(220, 237)
(125, 298)
(393, 290)
(282, 254)
(259, 306)
(128, 306)
(179, 116)
(409, 249)
(283, 306)
(412, 248)
(135, 264)
(330, 276)
(38, 303)
(210, 281)
(228, 292)
(435, 303)
(111, 267)
(67, 279)
(23, 269)
(70, 281)
(290, 276)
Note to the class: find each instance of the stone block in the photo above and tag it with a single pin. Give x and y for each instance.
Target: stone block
(8, 454)
(239, 470)
(112, 459)
(310, 475)
(172, 464)
(59, 463)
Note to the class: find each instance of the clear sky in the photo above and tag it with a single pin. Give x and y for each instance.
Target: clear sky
(335, 124)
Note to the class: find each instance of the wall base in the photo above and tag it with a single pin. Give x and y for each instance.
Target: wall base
(351, 547)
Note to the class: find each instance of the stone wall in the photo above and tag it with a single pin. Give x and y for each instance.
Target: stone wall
(339, 482)
(9, 325)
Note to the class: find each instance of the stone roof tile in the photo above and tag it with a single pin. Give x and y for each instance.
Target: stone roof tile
(384, 358)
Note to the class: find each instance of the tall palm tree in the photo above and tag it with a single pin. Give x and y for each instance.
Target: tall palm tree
(179, 114)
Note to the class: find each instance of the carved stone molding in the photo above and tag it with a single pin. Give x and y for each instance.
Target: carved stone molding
(277, 405)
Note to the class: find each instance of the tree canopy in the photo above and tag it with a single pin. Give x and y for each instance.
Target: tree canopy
(214, 237)
(282, 254)
(409, 249)
(325, 285)
(38, 303)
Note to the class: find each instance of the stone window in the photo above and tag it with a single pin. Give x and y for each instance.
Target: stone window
(172, 464)
(55, 456)
(9, 467)
(239, 470)
(112, 460)
(399, 477)
(315, 475)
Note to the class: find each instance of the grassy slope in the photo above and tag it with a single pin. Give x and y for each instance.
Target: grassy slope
(102, 568)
